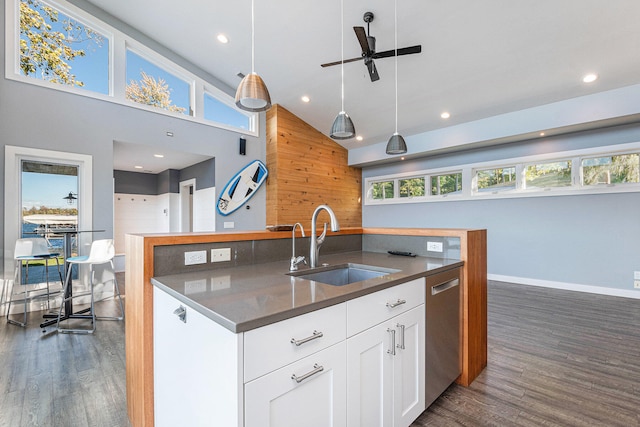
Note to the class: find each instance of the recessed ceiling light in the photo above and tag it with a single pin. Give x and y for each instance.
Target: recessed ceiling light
(159, 156)
(138, 167)
(401, 158)
(305, 98)
(445, 115)
(590, 78)
(222, 38)
(359, 138)
(542, 134)
(169, 133)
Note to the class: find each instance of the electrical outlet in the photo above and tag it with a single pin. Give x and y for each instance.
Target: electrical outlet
(636, 284)
(636, 275)
(219, 255)
(195, 257)
(229, 224)
(434, 246)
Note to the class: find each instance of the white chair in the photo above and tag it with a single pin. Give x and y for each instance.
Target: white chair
(101, 252)
(26, 251)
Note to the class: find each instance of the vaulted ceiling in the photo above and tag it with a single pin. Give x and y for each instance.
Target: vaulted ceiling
(479, 58)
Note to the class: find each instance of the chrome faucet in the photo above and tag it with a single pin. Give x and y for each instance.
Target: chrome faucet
(295, 260)
(316, 242)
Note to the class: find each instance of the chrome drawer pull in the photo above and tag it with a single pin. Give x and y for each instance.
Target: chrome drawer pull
(181, 312)
(401, 345)
(392, 349)
(316, 369)
(397, 303)
(315, 335)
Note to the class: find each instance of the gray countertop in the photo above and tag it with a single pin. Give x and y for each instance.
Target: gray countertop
(247, 297)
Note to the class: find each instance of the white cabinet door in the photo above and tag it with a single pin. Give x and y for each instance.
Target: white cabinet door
(409, 367)
(385, 372)
(309, 392)
(370, 378)
(196, 368)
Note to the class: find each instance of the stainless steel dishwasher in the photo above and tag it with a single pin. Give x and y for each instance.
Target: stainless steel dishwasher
(443, 364)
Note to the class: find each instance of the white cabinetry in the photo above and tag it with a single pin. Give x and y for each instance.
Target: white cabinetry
(197, 368)
(310, 392)
(385, 363)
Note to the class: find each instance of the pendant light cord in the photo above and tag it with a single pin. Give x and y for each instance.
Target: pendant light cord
(342, 53)
(253, 39)
(395, 3)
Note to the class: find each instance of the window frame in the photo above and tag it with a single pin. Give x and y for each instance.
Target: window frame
(118, 45)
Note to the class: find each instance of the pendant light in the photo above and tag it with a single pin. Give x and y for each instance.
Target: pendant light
(396, 144)
(342, 126)
(252, 93)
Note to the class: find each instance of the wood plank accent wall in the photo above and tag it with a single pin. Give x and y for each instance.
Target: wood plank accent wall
(307, 169)
(139, 270)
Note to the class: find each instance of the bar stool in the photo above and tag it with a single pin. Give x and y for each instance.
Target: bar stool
(29, 250)
(101, 252)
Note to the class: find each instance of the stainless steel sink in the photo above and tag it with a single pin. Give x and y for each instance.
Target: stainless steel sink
(343, 274)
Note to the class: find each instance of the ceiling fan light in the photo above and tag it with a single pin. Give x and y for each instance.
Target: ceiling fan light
(343, 127)
(396, 144)
(252, 94)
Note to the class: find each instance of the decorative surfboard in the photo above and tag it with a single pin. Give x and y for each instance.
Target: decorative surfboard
(242, 187)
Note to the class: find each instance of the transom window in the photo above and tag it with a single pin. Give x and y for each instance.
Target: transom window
(56, 44)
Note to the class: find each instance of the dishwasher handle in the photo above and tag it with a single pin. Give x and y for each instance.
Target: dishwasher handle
(435, 290)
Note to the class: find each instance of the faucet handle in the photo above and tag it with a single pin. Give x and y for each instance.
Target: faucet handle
(295, 261)
(320, 239)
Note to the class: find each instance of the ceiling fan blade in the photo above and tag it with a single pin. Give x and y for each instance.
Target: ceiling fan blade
(401, 51)
(329, 64)
(373, 71)
(362, 39)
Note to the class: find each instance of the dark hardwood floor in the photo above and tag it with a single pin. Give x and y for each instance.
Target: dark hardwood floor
(556, 358)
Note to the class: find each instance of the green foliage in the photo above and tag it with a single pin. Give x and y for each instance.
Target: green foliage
(382, 190)
(555, 174)
(150, 91)
(49, 52)
(43, 210)
(611, 170)
(445, 184)
(412, 187)
(497, 178)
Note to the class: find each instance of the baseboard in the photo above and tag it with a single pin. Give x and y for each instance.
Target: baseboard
(601, 290)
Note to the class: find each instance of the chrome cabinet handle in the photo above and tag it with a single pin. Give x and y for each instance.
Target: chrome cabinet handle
(401, 345)
(397, 303)
(316, 369)
(392, 349)
(181, 312)
(314, 336)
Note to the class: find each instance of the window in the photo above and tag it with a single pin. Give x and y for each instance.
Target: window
(498, 179)
(624, 168)
(219, 112)
(446, 184)
(382, 190)
(585, 171)
(411, 187)
(58, 45)
(57, 48)
(151, 85)
(547, 175)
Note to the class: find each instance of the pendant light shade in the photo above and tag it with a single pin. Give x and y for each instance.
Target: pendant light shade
(343, 127)
(252, 94)
(396, 144)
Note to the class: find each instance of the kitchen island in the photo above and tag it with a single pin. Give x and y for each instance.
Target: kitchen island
(145, 257)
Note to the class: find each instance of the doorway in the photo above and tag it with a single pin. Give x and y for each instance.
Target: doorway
(186, 204)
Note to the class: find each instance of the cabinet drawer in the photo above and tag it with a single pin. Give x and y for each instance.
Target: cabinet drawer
(274, 346)
(369, 310)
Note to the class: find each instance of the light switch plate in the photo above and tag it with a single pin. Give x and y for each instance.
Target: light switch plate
(636, 275)
(636, 284)
(219, 255)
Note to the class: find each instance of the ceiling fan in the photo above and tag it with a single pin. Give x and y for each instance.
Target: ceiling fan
(368, 45)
